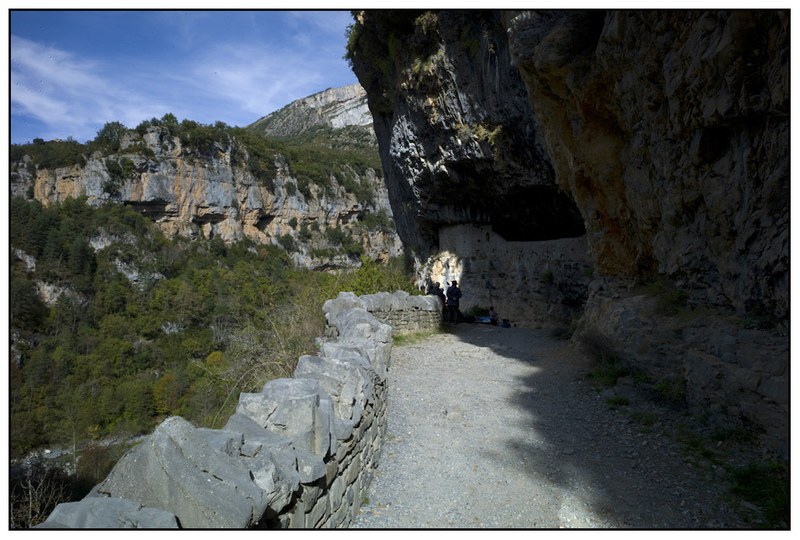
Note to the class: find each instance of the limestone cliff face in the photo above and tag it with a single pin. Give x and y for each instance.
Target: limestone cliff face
(458, 140)
(459, 147)
(662, 136)
(671, 132)
(190, 195)
(334, 107)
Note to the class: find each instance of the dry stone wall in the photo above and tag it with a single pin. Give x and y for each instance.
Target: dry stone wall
(299, 454)
(406, 314)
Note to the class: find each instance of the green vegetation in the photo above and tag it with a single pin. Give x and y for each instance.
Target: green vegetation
(617, 402)
(49, 155)
(316, 157)
(258, 153)
(322, 153)
(377, 221)
(150, 326)
(478, 311)
(409, 339)
(670, 300)
(480, 132)
(767, 486)
(341, 239)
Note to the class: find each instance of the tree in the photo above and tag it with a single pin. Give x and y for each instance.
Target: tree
(109, 137)
(36, 496)
(166, 394)
(26, 308)
(81, 264)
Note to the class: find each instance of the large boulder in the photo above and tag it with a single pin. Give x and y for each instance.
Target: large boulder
(349, 381)
(179, 470)
(108, 513)
(298, 409)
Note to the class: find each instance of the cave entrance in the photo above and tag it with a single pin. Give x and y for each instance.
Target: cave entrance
(537, 213)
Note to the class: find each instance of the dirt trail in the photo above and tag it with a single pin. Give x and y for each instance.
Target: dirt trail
(493, 427)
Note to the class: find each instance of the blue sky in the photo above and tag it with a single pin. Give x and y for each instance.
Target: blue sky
(73, 71)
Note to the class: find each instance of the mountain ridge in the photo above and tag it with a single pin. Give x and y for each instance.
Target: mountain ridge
(333, 107)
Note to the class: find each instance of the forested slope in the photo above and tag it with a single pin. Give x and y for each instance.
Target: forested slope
(114, 325)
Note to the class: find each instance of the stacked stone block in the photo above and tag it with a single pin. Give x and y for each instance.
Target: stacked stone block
(299, 454)
(406, 314)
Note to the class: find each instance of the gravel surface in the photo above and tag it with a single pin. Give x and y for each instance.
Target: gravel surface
(500, 428)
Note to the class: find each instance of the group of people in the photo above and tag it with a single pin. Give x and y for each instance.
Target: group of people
(450, 302)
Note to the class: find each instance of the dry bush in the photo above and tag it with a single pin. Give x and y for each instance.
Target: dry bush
(34, 497)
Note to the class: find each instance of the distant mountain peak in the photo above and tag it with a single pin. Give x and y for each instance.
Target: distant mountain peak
(334, 107)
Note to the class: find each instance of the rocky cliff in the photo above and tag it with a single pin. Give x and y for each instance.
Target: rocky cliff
(658, 138)
(334, 107)
(324, 224)
(671, 132)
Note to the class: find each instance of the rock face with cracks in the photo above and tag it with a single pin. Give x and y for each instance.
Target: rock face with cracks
(458, 140)
(670, 130)
(661, 137)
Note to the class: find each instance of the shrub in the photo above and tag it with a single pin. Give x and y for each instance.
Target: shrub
(765, 485)
(108, 138)
(608, 365)
(618, 401)
(338, 237)
(288, 243)
(672, 389)
(377, 221)
(670, 300)
(305, 233)
(477, 311)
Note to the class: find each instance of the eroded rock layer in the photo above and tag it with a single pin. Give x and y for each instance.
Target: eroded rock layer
(209, 195)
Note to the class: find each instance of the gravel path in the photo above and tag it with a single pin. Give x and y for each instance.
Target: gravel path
(495, 428)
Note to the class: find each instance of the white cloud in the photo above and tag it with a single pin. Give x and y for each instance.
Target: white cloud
(236, 80)
(254, 81)
(73, 96)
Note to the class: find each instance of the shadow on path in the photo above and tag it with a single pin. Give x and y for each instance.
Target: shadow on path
(607, 469)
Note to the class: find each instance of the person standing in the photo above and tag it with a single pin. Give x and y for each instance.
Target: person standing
(453, 297)
(438, 291)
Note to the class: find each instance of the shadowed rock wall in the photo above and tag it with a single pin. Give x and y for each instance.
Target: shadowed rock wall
(671, 132)
(458, 140)
(662, 136)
